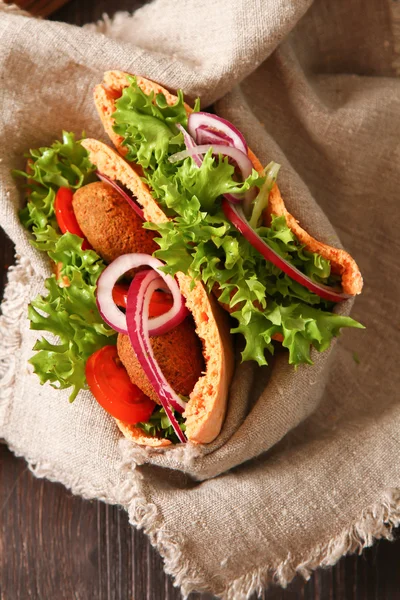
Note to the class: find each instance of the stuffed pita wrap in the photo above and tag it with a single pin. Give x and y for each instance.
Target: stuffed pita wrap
(184, 208)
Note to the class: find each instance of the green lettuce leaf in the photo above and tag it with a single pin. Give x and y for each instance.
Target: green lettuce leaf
(64, 164)
(159, 425)
(147, 124)
(190, 183)
(69, 312)
(264, 300)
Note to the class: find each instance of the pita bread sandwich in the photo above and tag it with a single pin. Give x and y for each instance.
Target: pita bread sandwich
(164, 248)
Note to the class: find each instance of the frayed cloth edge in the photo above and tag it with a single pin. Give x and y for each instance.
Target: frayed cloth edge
(375, 522)
(13, 307)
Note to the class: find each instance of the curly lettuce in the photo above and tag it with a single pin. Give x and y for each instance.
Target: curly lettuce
(201, 242)
(64, 164)
(69, 313)
(148, 125)
(69, 310)
(159, 425)
(263, 299)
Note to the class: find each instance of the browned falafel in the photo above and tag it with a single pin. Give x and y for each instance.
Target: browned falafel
(109, 223)
(178, 353)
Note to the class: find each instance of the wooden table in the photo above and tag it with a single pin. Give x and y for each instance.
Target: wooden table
(54, 546)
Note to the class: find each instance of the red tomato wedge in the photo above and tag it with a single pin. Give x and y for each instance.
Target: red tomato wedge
(110, 385)
(120, 294)
(278, 337)
(65, 215)
(160, 302)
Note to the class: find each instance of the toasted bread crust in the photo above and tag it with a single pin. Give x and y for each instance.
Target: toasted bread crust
(137, 435)
(341, 261)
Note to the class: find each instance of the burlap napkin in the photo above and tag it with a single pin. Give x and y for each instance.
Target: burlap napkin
(326, 105)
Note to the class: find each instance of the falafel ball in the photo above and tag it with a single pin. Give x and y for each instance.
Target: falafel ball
(109, 223)
(178, 353)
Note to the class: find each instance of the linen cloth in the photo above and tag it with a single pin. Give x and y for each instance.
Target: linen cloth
(306, 467)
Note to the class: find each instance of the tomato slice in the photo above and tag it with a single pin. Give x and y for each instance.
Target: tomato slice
(160, 302)
(65, 215)
(278, 337)
(111, 386)
(120, 294)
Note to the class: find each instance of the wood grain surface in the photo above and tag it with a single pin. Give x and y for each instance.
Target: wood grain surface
(55, 546)
(39, 8)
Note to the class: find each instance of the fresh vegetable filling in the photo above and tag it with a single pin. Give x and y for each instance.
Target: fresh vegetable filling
(201, 242)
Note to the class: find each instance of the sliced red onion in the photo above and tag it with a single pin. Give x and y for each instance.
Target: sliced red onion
(210, 129)
(221, 126)
(126, 196)
(239, 221)
(240, 159)
(233, 198)
(205, 135)
(190, 143)
(137, 310)
(110, 312)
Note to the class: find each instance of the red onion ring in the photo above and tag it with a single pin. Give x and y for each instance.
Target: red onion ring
(205, 135)
(110, 312)
(241, 160)
(239, 221)
(190, 143)
(137, 310)
(218, 131)
(221, 126)
(126, 196)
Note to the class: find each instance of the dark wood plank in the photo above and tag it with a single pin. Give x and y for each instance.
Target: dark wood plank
(39, 8)
(6, 259)
(80, 12)
(59, 546)
(54, 546)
